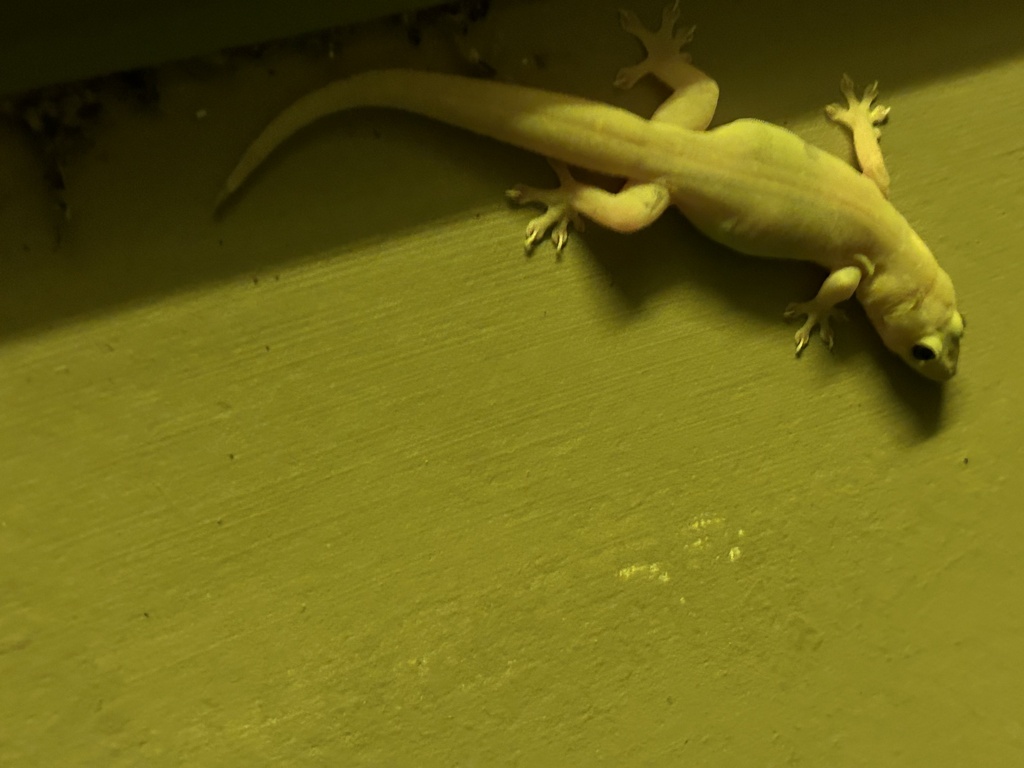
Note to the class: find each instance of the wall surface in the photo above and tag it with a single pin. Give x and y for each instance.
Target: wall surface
(342, 478)
(50, 41)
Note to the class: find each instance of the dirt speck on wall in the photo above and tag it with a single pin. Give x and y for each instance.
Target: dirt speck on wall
(341, 477)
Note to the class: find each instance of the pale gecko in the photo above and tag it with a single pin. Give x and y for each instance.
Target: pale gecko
(750, 185)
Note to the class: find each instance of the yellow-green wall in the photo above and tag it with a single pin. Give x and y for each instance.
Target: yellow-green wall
(345, 479)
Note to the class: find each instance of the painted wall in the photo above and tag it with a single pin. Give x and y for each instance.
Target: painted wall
(51, 41)
(343, 478)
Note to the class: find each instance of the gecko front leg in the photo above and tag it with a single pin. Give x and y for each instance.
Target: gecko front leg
(838, 286)
(862, 119)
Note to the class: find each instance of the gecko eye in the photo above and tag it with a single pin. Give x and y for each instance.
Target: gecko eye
(922, 352)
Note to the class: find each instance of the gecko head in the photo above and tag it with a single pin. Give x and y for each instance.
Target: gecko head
(925, 328)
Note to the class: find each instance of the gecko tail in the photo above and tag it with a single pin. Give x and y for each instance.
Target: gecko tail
(332, 98)
(605, 138)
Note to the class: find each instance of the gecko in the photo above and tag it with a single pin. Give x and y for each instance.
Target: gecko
(750, 185)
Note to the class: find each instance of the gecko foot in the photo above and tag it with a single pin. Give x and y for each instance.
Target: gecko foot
(816, 316)
(859, 111)
(662, 46)
(560, 212)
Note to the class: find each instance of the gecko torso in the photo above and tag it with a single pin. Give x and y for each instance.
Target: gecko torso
(750, 185)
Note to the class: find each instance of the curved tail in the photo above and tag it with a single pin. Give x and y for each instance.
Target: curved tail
(574, 130)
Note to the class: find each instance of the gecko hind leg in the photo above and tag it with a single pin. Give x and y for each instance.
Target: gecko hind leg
(663, 46)
(695, 95)
(632, 208)
(560, 212)
(862, 117)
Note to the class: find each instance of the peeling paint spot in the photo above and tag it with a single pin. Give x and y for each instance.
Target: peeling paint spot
(650, 572)
(702, 523)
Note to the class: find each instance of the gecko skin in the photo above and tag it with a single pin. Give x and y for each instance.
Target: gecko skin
(750, 185)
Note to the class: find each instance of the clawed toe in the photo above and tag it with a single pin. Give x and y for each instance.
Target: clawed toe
(815, 317)
(521, 194)
(670, 15)
(628, 76)
(555, 220)
(631, 23)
